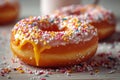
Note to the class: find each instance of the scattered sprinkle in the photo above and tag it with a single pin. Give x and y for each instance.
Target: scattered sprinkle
(42, 79)
(107, 57)
(9, 77)
(112, 71)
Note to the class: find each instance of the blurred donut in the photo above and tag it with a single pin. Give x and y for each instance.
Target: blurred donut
(104, 20)
(9, 11)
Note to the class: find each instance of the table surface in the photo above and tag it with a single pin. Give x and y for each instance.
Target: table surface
(7, 61)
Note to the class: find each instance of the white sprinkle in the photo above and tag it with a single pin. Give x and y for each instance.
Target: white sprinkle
(8, 77)
(89, 68)
(68, 74)
(86, 33)
(30, 58)
(36, 73)
(112, 71)
(16, 36)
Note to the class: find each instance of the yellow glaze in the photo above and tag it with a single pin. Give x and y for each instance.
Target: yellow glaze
(37, 50)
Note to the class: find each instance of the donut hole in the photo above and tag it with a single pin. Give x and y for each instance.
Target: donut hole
(51, 27)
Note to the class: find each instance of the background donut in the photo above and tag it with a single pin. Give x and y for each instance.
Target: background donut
(9, 11)
(103, 19)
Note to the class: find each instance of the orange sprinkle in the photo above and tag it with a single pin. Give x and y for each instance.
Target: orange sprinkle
(21, 71)
(96, 71)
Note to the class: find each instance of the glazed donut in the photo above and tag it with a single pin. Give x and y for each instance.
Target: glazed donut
(52, 41)
(103, 19)
(9, 11)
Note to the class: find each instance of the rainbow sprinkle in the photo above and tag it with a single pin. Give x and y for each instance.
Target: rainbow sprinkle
(53, 30)
(91, 13)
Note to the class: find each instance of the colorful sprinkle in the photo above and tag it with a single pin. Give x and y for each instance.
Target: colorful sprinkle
(38, 30)
(87, 13)
(111, 72)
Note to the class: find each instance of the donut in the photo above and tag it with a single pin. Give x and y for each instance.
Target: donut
(104, 20)
(53, 41)
(9, 11)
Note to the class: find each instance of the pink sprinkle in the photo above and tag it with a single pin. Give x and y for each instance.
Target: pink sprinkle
(50, 73)
(62, 71)
(30, 72)
(91, 73)
(13, 60)
(42, 79)
(41, 72)
(21, 63)
(79, 70)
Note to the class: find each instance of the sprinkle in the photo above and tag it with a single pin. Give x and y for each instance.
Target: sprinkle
(68, 74)
(89, 68)
(96, 71)
(14, 60)
(6, 70)
(62, 71)
(69, 71)
(21, 71)
(39, 72)
(92, 73)
(34, 30)
(33, 78)
(2, 74)
(30, 72)
(51, 20)
(112, 71)
(9, 77)
(50, 73)
(46, 75)
(3, 57)
(64, 19)
(42, 79)
(111, 58)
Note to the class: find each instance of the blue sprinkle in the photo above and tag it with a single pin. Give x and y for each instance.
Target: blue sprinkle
(64, 19)
(51, 20)
(111, 58)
